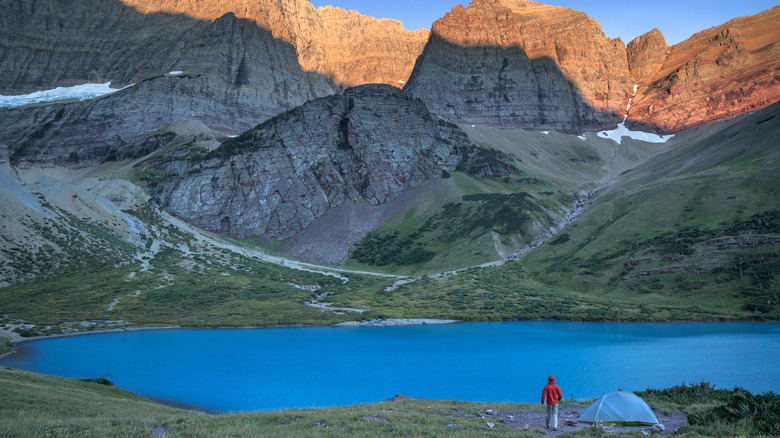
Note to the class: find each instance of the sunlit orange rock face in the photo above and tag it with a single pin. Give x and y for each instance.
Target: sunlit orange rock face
(523, 63)
(512, 63)
(646, 55)
(715, 74)
(357, 49)
(346, 46)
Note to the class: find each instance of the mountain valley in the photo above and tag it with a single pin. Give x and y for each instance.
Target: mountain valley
(266, 153)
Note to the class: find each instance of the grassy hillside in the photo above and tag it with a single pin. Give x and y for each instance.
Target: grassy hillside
(473, 221)
(36, 405)
(165, 276)
(692, 234)
(696, 226)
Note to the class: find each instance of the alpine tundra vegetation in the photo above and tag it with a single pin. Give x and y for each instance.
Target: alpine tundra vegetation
(267, 163)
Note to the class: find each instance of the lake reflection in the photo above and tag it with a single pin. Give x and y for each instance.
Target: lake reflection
(264, 369)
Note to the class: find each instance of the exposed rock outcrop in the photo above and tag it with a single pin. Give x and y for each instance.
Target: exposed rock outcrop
(372, 142)
(523, 64)
(60, 43)
(235, 74)
(357, 49)
(239, 67)
(715, 74)
(511, 63)
(646, 55)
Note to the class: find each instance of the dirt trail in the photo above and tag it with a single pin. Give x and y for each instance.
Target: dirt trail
(318, 302)
(255, 253)
(567, 422)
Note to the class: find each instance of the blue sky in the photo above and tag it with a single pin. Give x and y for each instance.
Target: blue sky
(676, 19)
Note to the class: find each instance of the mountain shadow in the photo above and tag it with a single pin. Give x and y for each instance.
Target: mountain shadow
(234, 73)
(504, 87)
(368, 144)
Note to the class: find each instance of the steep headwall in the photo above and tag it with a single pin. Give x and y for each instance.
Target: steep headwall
(715, 74)
(371, 142)
(522, 63)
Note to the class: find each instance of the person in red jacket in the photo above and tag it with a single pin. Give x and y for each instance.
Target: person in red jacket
(553, 394)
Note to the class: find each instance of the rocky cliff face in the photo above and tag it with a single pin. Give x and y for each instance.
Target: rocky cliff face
(238, 68)
(372, 142)
(345, 46)
(235, 74)
(522, 63)
(58, 43)
(717, 73)
(646, 55)
(356, 49)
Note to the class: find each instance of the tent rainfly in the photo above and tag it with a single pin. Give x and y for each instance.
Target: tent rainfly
(619, 408)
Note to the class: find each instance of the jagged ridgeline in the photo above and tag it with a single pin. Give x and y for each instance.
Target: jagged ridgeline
(365, 146)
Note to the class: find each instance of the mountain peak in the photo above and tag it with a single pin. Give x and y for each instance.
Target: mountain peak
(523, 57)
(646, 55)
(717, 73)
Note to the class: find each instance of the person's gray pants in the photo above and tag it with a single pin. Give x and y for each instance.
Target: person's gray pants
(552, 416)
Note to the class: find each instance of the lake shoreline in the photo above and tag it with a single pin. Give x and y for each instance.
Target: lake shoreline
(329, 366)
(14, 338)
(391, 322)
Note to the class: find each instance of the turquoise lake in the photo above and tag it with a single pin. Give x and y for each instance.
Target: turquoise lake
(231, 370)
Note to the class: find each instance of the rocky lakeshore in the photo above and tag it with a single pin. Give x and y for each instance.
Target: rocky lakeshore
(395, 322)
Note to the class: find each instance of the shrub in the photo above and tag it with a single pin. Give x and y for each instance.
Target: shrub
(686, 395)
(99, 381)
(414, 256)
(560, 239)
(27, 332)
(5, 345)
(758, 413)
(383, 248)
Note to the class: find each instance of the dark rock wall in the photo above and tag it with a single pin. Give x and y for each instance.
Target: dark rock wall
(371, 143)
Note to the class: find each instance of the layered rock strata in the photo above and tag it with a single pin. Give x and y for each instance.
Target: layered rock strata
(51, 43)
(522, 63)
(350, 48)
(715, 74)
(234, 75)
(369, 143)
(356, 49)
(646, 55)
(236, 68)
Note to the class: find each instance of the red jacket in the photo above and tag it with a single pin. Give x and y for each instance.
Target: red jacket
(551, 392)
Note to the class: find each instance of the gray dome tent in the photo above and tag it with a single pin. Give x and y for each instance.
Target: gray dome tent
(619, 408)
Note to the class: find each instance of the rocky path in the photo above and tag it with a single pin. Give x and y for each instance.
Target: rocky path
(254, 253)
(567, 422)
(328, 307)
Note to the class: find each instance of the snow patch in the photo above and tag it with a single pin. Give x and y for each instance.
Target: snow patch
(81, 92)
(177, 72)
(582, 137)
(546, 132)
(617, 135)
